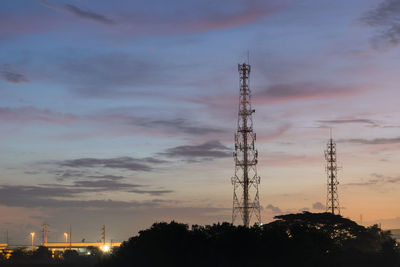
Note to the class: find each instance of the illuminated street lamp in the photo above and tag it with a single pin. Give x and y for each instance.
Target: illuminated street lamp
(33, 236)
(105, 248)
(66, 237)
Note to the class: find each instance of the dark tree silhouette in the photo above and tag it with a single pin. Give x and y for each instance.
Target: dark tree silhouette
(41, 254)
(20, 254)
(304, 239)
(70, 255)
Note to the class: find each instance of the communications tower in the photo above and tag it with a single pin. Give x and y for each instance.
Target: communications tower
(332, 199)
(245, 181)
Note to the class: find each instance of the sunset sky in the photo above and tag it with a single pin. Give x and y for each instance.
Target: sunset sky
(123, 112)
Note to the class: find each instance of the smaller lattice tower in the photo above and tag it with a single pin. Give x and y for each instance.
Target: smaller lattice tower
(332, 199)
(245, 181)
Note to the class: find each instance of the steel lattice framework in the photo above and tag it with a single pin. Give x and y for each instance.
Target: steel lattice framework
(245, 181)
(332, 199)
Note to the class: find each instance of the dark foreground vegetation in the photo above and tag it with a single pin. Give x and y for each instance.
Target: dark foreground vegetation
(305, 239)
(43, 257)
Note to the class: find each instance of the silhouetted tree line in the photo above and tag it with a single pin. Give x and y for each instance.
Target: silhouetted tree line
(304, 239)
(42, 257)
(295, 240)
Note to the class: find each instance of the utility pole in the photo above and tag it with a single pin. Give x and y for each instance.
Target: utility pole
(44, 235)
(332, 199)
(70, 237)
(245, 181)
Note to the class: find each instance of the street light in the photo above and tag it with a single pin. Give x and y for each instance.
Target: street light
(33, 236)
(66, 237)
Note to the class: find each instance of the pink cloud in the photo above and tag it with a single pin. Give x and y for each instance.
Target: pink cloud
(274, 133)
(251, 13)
(189, 19)
(32, 114)
(283, 93)
(198, 17)
(284, 159)
(302, 91)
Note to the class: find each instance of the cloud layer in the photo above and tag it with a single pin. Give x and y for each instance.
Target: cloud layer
(302, 91)
(349, 121)
(206, 151)
(385, 19)
(376, 141)
(124, 163)
(85, 14)
(376, 180)
(12, 76)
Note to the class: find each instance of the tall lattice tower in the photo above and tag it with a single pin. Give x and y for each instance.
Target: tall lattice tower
(332, 199)
(245, 181)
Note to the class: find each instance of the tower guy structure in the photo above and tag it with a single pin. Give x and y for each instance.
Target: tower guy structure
(332, 199)
(245, 181)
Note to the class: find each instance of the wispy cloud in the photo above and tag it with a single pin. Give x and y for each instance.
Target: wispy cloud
(99, 183)
(85, 14)
(221, 18)
(127, 163)
(300, 91)
(206, 151)
(106, 177)
(145, 18)
(385, 19)
(88, 14)
(32, 114)
(66, 195)
(376, 141)
(49, 196)
(12, 76)
(349, 121)
(201, 16)
(151, 192)
(376, 180)
(104, 185)
(180, 125)
(68, 174)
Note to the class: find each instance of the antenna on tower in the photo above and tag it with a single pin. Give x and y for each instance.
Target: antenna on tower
(245, 181)
(332, 199)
